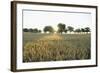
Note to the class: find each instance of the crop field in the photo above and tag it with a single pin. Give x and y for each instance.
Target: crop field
(39, 47)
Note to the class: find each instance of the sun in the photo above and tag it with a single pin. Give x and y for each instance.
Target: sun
(55, 28)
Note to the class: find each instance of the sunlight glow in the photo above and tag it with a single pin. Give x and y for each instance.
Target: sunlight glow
(40, 19)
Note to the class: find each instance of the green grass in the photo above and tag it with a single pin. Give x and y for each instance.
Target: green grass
(55, 47)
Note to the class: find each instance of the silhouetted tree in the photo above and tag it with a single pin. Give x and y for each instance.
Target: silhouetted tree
(30, 30)
(48, 29)
(78, 30)
(39, 31)
(65, 30)
(35, 30)
(87, 29)
(25, 30)
(82, 29)
(61, 27)
(70, 28)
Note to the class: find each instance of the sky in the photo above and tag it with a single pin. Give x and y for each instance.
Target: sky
(40, 19)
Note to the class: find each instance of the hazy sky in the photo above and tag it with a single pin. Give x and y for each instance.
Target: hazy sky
(40, 19)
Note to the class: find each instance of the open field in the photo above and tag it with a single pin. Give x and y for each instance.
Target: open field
(55, 47)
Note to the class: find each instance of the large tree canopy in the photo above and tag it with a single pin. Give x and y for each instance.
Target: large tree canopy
(48, 29)
(70, 28)
(77, 30)
(25, 30)
(61, 27)
(87, 29)
(35, 30)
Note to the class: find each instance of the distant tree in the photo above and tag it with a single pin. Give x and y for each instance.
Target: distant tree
(61, 27)
(25, 30)
(87, 29)
(48, 29)
(30, 30)
(39, 31)
(82, 29)
(35, 30)
(70, 28)
(65, 30)
(78, 30)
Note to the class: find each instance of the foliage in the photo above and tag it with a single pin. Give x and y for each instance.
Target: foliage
(30, 30)
(87, 29)
(65, 30)
(48, 29)
(61, 27)
(25, 30)
(35, 30)
(39, 31)
(70, 28)
(82, 30)
(78, 30)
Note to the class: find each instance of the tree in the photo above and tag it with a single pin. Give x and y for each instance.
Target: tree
(61, 27)
(70, 28)
(30, 30)
(48, 29)
(83, 30)
(25, 30)
(35, 30)
(39, 31)
(65, 30)
(78, 30)
(87, 29)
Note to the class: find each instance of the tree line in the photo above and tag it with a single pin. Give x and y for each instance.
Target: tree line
(61, 29)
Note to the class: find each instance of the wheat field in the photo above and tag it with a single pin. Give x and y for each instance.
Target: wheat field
(39, 47)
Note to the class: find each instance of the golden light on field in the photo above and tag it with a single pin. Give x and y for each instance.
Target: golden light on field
(55, 28)
(55, 47)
